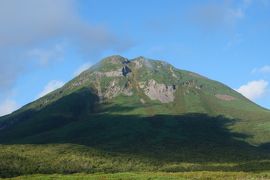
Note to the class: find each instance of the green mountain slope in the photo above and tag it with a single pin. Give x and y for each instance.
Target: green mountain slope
(139, 115)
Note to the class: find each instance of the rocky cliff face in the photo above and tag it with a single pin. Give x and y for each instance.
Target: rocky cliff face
(153, 80)
(116, 76)
(147, 79)
(161, 92)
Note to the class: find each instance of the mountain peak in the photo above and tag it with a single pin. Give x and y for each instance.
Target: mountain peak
(117, 62)
(150, 80)
(146, 81)
(114, 59)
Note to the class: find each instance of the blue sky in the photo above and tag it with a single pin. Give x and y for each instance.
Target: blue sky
(45, 43)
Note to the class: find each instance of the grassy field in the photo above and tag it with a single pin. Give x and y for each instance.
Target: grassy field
(20, 160)
(152, 176)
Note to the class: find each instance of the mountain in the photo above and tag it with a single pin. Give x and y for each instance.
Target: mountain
(136, 115)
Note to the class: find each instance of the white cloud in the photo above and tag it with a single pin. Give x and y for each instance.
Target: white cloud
(218, 15)
(45, 56)
(51, 86)
(36, 25)
(8, 106)
(221, 15)
(265, 69)
(254, 89)
(29, 22)
(82, 68)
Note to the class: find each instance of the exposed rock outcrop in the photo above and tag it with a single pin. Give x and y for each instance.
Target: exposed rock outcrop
(126, 70)
(225, 97)
(116, 59)
(114, 89)
(117, 73)
(142, 101)
(138, 64)
(173, 73)
(156, 91)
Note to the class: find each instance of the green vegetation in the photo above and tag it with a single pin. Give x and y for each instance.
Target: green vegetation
(152, 176)
(70, 158)
(199, 134)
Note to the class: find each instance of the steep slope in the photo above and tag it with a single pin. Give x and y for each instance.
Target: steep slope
(142, 109)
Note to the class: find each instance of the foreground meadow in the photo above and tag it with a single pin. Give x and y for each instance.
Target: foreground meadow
(152, 176)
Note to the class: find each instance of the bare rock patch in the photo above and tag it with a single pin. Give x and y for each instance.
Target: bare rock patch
(117, 73)
(156, 91)
(114, 89)
(225, 97)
